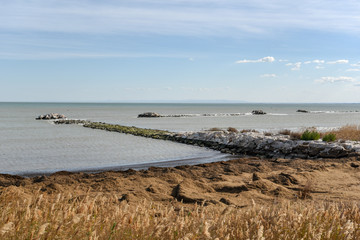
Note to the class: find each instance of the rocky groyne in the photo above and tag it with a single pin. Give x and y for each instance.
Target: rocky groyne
(253, 143)
(51, 116)
(237, 143)
(157, 115)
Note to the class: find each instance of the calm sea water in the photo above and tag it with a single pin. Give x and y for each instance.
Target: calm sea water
(28, 146)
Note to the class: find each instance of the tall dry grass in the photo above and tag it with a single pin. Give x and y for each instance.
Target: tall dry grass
(66, 216)
(348, 132)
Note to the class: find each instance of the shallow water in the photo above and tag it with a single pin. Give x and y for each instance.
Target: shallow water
(28, 146)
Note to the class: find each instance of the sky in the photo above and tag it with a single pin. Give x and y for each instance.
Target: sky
(267, 51)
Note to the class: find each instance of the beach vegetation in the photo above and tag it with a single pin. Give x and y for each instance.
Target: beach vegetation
(295, 135)
(329, 137)
(285, 132)
(231, 129)
(103, 216)
(215, 129)
(348, 132)
(249, 130)
(310, 135)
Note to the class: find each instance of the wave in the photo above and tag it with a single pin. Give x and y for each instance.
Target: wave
(218, 115)
(331, 111)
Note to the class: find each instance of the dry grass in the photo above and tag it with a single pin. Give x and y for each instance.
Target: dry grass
(62, 216)
(215, 129)
(231, 129)
(348, 132)
(249, 130)
(285, 132)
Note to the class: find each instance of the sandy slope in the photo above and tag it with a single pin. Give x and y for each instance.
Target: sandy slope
(236, 182)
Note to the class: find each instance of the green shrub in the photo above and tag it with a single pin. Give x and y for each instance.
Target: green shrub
(310, 135)
(330, 137)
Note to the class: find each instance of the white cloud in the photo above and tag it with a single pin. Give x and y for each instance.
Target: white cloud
(268, 75)
(264, 59)
(335, 79)
(296, 66)
(341, 61)
(353, 70)
(319, 67)
(318, 61)
(355, 65)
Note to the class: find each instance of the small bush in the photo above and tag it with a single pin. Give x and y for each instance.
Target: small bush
(330, 137)
(248, 130)
(268, 134)
(295, 135)
(285, 132)
(214, 129)
(348, 132)
(310, 135)
(231, 129)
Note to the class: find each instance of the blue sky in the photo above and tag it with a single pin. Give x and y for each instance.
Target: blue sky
(180, 50)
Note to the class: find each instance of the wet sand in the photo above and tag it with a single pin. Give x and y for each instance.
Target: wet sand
(236, 182)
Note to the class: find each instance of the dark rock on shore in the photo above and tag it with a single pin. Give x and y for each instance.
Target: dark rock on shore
(258, 112)
(149, 115)
(302, 111)
(50, 116)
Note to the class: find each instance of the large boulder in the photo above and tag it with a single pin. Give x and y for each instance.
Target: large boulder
(149, 115)
(258, 112)
(50, 116)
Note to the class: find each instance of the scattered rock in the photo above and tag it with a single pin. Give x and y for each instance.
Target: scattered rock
(258, 112)
(225, 201)
(354, 165)
(50, 116)
(256, 177)
(149, 115)
(302, 111)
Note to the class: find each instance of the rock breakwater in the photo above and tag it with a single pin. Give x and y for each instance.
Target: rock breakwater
(239, 143)
(50, 116)
(253, 143)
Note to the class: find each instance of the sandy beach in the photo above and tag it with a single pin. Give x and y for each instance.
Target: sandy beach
(235, 182)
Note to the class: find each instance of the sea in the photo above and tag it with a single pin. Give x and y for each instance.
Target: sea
(34, 147)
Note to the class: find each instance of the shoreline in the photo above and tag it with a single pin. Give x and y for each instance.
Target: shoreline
(234, 182)
(136, 167)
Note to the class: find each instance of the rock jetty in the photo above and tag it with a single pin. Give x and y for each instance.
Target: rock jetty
(71, 121)
(240, 143)
(258, 112)
(50, 116)
(253, 143)
(149, 115)
(302, 111)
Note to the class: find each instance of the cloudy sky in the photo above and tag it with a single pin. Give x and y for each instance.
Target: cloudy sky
(180, 50)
